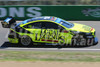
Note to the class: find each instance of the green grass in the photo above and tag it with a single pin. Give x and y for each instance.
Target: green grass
(49, 56)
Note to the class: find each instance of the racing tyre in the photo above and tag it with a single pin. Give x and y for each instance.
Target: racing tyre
(25, 41)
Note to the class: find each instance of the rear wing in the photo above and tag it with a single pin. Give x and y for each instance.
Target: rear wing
(8, 22)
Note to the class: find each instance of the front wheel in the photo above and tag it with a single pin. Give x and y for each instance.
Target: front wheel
(25, 41)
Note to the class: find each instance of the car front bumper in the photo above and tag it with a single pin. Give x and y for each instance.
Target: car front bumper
(95, 41)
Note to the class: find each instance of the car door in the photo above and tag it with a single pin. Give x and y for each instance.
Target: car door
(64, 35)
(55, 33)
(35, 29)
(50, 32)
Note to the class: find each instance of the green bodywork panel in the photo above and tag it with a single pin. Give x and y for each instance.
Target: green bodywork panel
(11, 40)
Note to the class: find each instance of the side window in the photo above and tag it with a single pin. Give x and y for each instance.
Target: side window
(60, 27)
(49, 25)
(36, 25)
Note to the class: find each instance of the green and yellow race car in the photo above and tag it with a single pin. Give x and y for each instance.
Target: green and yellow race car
(48, 29)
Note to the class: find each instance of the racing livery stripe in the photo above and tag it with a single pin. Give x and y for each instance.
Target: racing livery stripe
(50, 40)
(58, 20)
(55, 19)
(64, 31)
(52, 18)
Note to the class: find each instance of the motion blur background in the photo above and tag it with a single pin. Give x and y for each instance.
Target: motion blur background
(66, 9)
(49, 2)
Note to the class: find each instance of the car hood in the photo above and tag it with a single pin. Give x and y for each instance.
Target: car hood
(82, 28)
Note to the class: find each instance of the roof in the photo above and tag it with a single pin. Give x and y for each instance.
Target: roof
(55, 19)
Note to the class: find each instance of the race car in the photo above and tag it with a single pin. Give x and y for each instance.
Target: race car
(49, 29)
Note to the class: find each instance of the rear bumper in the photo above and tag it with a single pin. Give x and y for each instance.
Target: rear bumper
(12, 37)
(13, 40)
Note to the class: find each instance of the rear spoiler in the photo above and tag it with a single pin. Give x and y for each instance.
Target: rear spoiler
(8, 22)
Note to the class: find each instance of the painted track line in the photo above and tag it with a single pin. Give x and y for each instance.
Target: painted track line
(52, 49)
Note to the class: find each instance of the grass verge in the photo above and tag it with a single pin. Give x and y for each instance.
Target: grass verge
(49, 56)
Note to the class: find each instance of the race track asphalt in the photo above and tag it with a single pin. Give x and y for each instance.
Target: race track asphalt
(5, 45)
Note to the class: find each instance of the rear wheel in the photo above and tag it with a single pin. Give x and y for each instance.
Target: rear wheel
(25, 41)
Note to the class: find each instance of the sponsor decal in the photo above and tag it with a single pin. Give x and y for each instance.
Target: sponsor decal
(50, 35)
(20, 11)
(92, 12)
